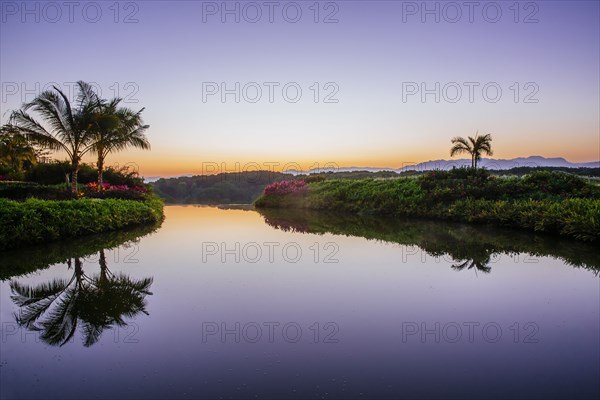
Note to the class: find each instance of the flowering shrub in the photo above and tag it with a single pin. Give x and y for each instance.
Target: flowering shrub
(285, 187)
(115, 191)
(107, 186)
(94, 186)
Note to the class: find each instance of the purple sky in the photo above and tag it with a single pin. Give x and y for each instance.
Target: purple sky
(371, 61)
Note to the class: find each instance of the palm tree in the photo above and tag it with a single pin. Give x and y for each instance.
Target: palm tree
(15, 150)
(67, 128)
(117, 128)
(474, 146)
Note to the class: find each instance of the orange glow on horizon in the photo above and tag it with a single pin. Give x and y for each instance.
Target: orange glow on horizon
(149, 166)
(173, 161)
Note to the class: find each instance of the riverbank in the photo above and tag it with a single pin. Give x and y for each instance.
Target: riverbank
(547, 202)
(39, 221)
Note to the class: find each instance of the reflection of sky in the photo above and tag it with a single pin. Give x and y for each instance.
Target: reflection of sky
(368, 294)
(170, 52)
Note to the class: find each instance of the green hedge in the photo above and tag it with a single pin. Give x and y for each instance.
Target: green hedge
(25, 190)
(38, 221)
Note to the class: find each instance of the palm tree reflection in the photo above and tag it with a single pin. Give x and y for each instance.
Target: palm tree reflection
(96, 303)
(477, 265)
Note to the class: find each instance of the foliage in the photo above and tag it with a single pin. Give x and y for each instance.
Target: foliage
(115, 191)
(16, 152)
(286, 187)
(552, 202)
(461, 183)
(54, 173)
(246, 187)
(87, 125)
(39, 221)
(66, 126)
(116, 128)
(314, 178)
(239, 187)
(520, 171)
(25, 190)
(474, 146)
(226, 188)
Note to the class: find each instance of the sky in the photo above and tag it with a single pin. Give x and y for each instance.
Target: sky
(238, 85)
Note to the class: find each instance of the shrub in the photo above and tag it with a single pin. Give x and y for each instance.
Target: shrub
(115, 191)
(285, 187)
(461, 183)
(314, 178)
(25, 190)
(544, 184)
(37, 221)
(54, 173)
(543, 202)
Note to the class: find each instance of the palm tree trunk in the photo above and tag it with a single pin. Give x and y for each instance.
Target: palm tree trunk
(74, 171)
(100, 165)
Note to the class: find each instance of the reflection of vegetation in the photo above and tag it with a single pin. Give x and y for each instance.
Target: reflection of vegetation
(471, 247)
(96, 303)
(16, 262)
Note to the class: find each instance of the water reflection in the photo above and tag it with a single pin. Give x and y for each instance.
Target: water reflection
(372, 296)
(13, 263)
(94, 303)
(469, 247)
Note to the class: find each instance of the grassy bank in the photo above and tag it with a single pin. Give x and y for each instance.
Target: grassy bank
(39, 221)
(549, 202)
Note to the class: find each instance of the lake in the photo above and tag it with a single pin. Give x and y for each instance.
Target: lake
(237, 303)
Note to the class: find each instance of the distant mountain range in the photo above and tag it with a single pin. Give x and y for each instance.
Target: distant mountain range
(490, 163)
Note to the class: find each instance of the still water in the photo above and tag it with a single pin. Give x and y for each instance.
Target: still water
(235, 303)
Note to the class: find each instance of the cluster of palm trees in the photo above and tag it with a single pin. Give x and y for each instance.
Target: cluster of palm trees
(474, 146)
(90, 124)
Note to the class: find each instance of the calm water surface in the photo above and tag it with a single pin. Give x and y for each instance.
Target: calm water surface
(233, 303)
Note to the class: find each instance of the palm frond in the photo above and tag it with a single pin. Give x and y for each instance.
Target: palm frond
(35, 132)
(61, 323)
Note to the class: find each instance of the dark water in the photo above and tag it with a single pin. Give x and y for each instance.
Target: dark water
(230, 303)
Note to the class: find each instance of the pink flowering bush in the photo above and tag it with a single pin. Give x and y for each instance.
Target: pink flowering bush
(115, 191)
(285, 187)
(107, 186)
